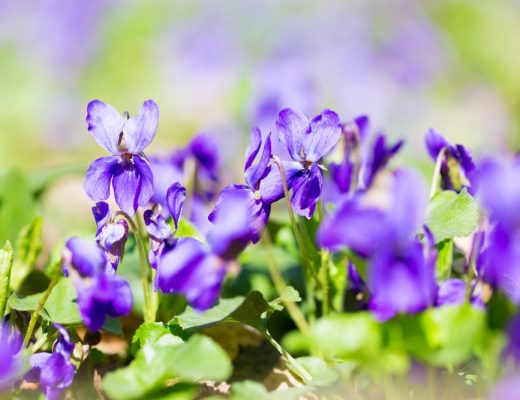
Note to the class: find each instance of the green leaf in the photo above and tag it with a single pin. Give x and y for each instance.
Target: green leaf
(17, 205)
(187, 229)
(444, 259)
(452, 215)
(348, 336)
(29, 246)
(289, 294)
(249, 310)
(6, 262)
(155, 365)
(445, 336)
(149, 333)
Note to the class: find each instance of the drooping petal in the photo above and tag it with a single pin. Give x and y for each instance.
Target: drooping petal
(101, 213)
(255, 173)
(271, 186)
(292, 126)
(139, 130)
(435, 142)
(307, 191)
(122, 299)
(98, 177)
(323, 136)
(175, 201)
(87, 258)
(105, 125)
(255, 141)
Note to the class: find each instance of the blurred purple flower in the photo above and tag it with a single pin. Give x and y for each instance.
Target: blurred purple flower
(166, 171)
(11, 359)
(454, 177)
(307, 142)
(400, 276)
(125, 138)
(54, 372)
(453, 292)
(378, 158)
(175, 197)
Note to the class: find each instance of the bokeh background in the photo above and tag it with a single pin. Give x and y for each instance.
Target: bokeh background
(222, 67)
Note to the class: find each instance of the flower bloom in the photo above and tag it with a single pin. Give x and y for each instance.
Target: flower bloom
(196, 270)
(99, 293)
(400, 275)
(11, 359)
(307, 142)
(54, 372)
(125, 138)
(110, 236)
(499, 192)
(457, 165)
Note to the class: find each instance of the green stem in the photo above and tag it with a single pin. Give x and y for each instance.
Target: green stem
(324, 281)
(36, 313)
(280, 285)
(6, 264)
(308, 270)
(293, 365)
(149, 315)
(437, 172)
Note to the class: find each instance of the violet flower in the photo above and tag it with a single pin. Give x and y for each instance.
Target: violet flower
(307, 142)
(453, 292)
(378, 158)
(254, 173)
(197, 271)
(400, 276)
(125, 138)
(499, 192)
(54, 372)
(99, 294)
(456, 166)
(12, 361)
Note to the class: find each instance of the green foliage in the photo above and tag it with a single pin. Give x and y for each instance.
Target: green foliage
(158, 363)
(450, 215)
(6, 262)
(29, 246)
(445, 336)
(187, 229)
(444, 259)
(17, 205)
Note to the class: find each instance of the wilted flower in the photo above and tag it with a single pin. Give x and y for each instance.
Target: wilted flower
(54, 372)
(125, 138)
(307, 142)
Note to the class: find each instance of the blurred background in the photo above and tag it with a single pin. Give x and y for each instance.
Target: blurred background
(223, 67)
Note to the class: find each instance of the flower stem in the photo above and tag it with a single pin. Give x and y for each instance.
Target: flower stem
(280, 285)
(39, 308)
(149, 315)
(437, 172)
(324, 281)
(6, 264)
(306, 261)
(293, 365)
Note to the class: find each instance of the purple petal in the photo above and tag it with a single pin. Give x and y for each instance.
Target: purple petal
(255, 141)
(64, 344)
(379, 157)
(254, 174)
(98, 177)
(101, 213)
(190, 271)
(353, 226)
(133, 185)
(292, 126)
(323, 136)
(165, 172)
(85, 257)
(37, 362)
(139, 130)
(435, 142)
(175, 200)
(156, 226)
(231, 231)
(122, 300)
(271, 187)
(205, 150)
(105, 125)
(307, 191)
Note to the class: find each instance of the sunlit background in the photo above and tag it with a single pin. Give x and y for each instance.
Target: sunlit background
(223, 67)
